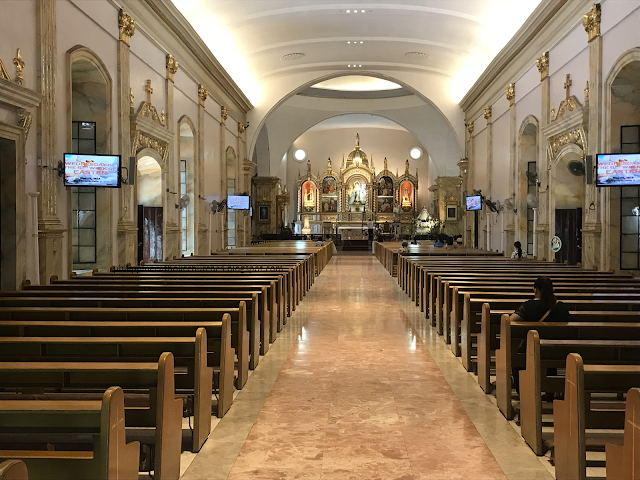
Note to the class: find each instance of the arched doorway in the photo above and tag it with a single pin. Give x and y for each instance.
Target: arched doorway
(527, 183)
(150, 208)
(91, 231)
(567, 187)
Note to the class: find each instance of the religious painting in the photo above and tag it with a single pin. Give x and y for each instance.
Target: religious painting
(452, 212)
(406, 195)
(385, 187)
(263, 213)
(329, 185)
(308, 194)
(357, 195)
(385, 205)
(329, 205)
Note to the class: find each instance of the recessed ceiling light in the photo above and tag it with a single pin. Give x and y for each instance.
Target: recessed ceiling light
(360, 65)
(362, 11)
(348, 11)
(348, 42)
(291, 56)
(417, 55)
(361, 42)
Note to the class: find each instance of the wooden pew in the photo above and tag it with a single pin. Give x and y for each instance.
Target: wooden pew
(622, 460)
(108, 458)
(193, 376)
(258, 333)
(219, 351)
(196, 315)
(578, 412)
(546, 353)
(165, 412)
(13, 470)
(488, 339)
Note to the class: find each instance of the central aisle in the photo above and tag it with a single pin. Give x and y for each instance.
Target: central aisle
(360, 397)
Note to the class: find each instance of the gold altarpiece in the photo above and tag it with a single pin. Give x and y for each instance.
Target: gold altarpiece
(334, 202)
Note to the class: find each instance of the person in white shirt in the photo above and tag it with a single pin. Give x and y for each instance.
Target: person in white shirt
(518, 252)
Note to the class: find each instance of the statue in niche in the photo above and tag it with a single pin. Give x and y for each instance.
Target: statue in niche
(406, 199)
(358, 197)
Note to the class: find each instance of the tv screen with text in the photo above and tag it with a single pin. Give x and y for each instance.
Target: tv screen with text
(618, 169)
(474, 202)
(91, 170)
(238, 202)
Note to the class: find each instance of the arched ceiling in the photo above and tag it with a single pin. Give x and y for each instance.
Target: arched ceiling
(260, 39)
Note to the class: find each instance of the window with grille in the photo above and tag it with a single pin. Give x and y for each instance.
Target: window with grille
(630, 139)
(531, 188)
(184, 212)
(83, 199)
(231, 215)
(630, 206)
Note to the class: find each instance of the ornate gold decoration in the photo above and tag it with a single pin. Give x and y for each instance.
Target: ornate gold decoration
(569, 104)
(172, 66)
(591, 21)
(223, 115)
(487, 114)
(586, 93)
(385, 163)
(356, 154)
(131, 98)
(25, 118)
(309, 166)
(543, 65)
(406, 167)
(127, 26)
(329, 165)
(553, 110)
(3, 72)
(241, 128)
(470, 129)
(147, 109)
(143, 141)
(576, 136)
(202, 94)
(163, 117)
(511, 94)
(19, 66)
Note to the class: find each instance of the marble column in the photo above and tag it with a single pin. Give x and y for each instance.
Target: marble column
(249, 169)
(223, 174)
(543, 249)
(199, 210)
(172, 239)
(489, 174)
(35, 249)
(508, 236)
(127, 226)
(50, 228)
(240, 187)
(595, 204)
(469, 216)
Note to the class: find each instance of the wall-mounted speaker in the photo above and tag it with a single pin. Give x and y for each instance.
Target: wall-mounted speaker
(589, 169)
(131, 171)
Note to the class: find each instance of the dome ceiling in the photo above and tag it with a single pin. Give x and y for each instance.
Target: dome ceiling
(259, 39)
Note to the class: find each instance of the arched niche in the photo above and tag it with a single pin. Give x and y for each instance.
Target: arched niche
(567, 194)
(528, 147)
(231, 182)
(187, 154)
(622, 107)
(91, 223)
(150, 201)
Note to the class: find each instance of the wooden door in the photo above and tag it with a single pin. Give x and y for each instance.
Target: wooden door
(569, 229)
(149, 233)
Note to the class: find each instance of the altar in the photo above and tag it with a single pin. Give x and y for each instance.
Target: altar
(341, 202)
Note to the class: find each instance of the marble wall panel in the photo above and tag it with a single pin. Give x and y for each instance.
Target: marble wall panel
(141, 71)
(478, 182)
(17, 31)
(528, 82)
(530, 104)
(212, 180)
(578, 67)
(620, 31)
(501, 154)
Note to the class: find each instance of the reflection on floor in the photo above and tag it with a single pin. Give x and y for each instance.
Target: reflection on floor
(357, 387)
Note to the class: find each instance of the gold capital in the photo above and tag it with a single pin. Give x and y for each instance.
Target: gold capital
(487, 114)
(543, 65)
(172, 66)
(19, 66)
(202, 94)
(591, 21)
(470, 129)
(127, 26)
(586, 93)
(131, 97)
(240, 129)
(223, 115)
(511, 94)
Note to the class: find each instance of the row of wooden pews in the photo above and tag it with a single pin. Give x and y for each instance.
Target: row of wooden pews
(590, 365)
(112, 374)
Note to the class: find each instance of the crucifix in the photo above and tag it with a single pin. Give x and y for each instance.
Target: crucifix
(567, 86)
(149, 91)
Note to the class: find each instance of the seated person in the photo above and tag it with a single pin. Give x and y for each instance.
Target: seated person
(544, 307)
(518, 252)
(439, 241)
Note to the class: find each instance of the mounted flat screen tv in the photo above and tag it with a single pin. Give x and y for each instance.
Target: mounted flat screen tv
(91, 170)
(474, 202)
(238, 202)
(617, 169)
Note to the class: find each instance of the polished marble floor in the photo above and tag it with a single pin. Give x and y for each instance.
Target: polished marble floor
(357, 386)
